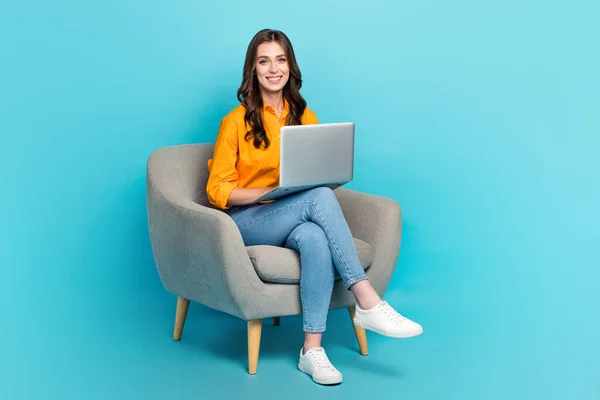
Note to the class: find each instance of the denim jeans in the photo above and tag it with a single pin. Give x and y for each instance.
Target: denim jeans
(310, 222)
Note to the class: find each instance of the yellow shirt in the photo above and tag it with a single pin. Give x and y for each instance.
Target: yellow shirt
(236, 163)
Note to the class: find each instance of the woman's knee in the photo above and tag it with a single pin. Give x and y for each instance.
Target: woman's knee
(323, 194)
(309, 232)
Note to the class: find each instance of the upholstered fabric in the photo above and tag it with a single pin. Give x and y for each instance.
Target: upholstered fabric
(200, 255)
(280, 265)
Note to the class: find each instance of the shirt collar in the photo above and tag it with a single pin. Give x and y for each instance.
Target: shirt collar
(284, 113)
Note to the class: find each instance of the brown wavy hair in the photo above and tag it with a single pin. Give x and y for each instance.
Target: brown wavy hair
(249, 92)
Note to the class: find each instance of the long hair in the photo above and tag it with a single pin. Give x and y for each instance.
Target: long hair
(249, 92)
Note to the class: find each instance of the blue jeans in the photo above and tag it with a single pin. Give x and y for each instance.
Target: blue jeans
(310, 222)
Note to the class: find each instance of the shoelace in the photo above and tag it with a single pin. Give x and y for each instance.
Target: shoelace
(321, 358)
(392, 314)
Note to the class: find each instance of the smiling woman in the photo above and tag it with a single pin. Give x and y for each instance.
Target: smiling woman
(245, 165)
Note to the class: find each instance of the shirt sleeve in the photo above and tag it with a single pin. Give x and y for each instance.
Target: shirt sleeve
(223, 177)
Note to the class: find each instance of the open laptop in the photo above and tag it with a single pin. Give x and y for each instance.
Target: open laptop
(312, 156)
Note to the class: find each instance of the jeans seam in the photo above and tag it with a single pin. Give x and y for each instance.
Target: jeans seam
(301, 297)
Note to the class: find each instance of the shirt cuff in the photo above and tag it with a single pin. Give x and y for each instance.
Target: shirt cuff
(225, 190)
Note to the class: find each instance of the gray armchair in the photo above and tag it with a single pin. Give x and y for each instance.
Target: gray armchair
(200, 254)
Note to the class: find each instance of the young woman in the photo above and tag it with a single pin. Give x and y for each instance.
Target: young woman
(245, 166)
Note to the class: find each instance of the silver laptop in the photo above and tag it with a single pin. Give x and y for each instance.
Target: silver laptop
(312, 156)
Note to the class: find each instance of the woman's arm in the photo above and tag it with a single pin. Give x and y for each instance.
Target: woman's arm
(223, 178)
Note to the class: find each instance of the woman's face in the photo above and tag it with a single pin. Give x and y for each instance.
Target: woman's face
(272, 69)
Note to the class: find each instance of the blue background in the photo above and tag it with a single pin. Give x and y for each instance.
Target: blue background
(480, 118)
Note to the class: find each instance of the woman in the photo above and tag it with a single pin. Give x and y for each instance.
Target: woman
(245, 166)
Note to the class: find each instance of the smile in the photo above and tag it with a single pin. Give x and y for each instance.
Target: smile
(274, 79)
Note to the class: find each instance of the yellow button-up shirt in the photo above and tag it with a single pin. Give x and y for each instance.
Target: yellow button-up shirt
(236, 163)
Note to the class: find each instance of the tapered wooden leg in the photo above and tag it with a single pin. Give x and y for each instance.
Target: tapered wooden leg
(254, 330)
(361, 334)
(180, 314)
(276, 321)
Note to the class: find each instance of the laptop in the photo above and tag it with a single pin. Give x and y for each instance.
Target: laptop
(313, 156)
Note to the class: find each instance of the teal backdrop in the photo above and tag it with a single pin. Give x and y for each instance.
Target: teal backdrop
(482, 119)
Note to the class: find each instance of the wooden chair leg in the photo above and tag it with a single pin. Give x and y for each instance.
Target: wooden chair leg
(180, 314)
(361, 334)
(276, 321)
(254, 331)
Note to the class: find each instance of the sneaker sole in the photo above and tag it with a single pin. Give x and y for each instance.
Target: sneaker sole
(331, 381)
(400, 335)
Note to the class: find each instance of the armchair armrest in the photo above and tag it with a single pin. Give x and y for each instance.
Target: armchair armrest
(376, 220)
(199, 252)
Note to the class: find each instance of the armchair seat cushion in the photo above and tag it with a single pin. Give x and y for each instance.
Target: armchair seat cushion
(281, 265)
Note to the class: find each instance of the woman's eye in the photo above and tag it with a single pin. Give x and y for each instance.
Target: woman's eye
(282, 60)
(262, 62)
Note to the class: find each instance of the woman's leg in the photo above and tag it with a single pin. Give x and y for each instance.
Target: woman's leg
(317, 275)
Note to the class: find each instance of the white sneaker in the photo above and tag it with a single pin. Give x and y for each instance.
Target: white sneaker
(384, 320)
(316, 364)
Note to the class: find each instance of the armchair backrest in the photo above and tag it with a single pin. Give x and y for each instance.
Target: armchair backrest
(182, 171)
